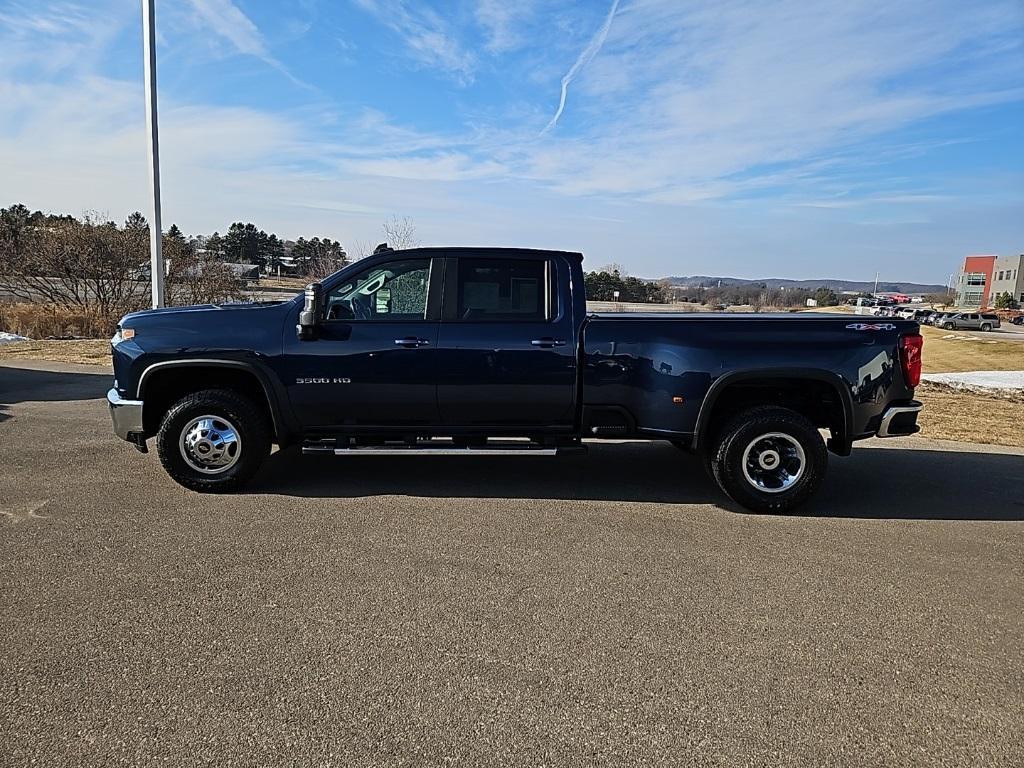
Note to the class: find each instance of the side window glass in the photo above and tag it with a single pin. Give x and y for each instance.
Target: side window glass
(395, 290)
(499, 289)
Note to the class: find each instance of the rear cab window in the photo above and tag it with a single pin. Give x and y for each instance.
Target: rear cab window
(508, 290)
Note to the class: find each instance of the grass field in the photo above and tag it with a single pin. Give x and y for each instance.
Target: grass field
(979, 353)
(955, 415)
(82, 351)
(948, 414)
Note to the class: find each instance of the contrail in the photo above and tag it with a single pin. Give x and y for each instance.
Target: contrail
(584, 58)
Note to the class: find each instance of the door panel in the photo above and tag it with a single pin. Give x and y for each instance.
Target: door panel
(506, 353)
(374, 361)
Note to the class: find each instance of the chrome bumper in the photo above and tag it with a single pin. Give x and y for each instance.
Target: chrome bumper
(126, 415)
(905, 426)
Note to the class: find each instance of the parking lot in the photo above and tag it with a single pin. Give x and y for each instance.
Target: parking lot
(610, 608)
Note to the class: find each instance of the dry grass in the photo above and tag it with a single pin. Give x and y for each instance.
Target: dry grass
(296, 284)
(83, 351)
(969, 417)
(969, 352)
(38, 321)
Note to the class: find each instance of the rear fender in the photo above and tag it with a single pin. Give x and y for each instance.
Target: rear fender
(841, 444)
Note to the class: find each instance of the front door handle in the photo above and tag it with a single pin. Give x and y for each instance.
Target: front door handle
(547, 341)
(412, 342)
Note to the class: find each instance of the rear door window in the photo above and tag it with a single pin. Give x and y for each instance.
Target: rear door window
(502, 289)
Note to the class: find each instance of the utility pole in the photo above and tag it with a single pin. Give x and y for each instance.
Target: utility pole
(156, 256)
(876, 284)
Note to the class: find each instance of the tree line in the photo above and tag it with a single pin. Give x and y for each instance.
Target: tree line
(245, 243)
(241, 243)
(611, 284)
(605, 283)
(101, 267)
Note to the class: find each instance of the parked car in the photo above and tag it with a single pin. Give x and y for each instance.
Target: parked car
(970, 321)
(467, 351)
(1018, 320)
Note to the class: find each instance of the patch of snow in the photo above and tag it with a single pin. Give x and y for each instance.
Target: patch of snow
(1012, 381)
(6, 338)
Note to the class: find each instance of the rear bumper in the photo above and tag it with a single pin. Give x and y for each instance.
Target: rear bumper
(126, 416)
(900, 420)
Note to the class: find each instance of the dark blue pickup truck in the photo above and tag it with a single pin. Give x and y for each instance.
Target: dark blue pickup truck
(470, 351)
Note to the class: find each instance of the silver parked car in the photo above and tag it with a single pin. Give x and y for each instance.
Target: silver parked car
(969, 321)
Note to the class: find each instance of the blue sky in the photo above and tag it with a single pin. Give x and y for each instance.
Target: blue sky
(755, 139)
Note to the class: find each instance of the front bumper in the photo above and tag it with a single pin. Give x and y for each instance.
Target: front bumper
(126, 415)
(900, 420)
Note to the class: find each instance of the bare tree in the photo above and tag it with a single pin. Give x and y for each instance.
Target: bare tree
(360, 249)
(85, 264)
(101, 269)
(194, 278)
(400, 233)
(614, 268)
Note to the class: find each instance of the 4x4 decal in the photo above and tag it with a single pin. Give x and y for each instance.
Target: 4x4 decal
(871, 327)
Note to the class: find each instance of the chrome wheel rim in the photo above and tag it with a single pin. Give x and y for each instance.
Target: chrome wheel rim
(210, 444)
(774, 462)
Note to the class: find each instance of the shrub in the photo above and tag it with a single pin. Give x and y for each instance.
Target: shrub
(38, 321)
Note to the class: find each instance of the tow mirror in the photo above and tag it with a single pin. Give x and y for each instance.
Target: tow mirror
(309, 317)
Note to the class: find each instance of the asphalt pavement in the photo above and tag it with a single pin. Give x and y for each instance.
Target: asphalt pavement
(608, 609)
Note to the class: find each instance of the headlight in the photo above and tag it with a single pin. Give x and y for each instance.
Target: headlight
(122, 334)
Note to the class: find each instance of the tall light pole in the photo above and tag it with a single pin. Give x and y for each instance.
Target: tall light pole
(156, 256)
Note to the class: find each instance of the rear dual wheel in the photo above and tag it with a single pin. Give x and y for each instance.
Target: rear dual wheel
(769, 460)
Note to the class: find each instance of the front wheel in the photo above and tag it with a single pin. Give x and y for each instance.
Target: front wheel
(213, 440)
(949, 327)
(769, 460)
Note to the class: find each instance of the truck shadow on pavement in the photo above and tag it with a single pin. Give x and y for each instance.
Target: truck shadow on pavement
(874, 483)
(20, 385)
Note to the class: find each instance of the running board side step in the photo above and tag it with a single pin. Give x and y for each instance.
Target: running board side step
(520, 449)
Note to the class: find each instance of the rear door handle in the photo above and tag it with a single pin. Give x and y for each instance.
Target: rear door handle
(547, 341)
(412, 342)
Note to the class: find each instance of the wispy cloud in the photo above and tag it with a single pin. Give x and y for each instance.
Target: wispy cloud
(429, 39)
(588, 53)
(702, 101)
(501, 21)
(48, 38)
(227, 20)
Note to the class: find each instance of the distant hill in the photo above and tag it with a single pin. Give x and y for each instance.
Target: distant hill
(835, 285)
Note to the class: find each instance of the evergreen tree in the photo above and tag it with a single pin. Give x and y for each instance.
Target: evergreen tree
(214, 245)
(175, 234)
(136, 223)
(245, 244)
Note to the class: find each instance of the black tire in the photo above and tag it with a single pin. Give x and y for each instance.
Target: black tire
(248, 420)
(727, 459)
(986, 326)
(949, 327)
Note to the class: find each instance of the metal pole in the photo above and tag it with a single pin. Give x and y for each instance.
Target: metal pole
(156, 256)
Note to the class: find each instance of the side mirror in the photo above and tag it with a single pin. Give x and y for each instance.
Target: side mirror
(309, 317)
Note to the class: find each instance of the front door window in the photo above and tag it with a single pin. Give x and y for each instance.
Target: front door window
(395, 291)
